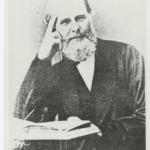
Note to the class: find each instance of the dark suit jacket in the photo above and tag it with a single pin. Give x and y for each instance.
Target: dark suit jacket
(115, 104)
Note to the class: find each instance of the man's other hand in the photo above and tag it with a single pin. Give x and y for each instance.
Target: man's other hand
(18, 145)
(73, 119)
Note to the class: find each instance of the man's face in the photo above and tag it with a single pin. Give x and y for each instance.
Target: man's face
(75, 26)
(73, 19)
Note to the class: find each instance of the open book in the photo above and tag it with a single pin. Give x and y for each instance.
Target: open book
(57, 130)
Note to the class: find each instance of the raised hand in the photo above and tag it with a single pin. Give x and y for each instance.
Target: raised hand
(49, 39)
(48, 11)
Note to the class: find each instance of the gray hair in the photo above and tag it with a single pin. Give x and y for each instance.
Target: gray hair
(88, 8)
(50, 9)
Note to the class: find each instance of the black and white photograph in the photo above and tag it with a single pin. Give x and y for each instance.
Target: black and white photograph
(77, 74)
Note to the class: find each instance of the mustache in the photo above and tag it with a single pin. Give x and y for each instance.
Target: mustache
(76, 37)
(81, 37)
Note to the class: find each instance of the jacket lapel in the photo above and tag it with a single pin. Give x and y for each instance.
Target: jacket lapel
(104, 81)
(69, 83)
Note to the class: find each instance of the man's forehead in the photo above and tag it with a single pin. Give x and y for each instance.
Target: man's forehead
(64, 8)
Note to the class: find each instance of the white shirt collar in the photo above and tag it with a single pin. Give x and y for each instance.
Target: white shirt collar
(86, 69)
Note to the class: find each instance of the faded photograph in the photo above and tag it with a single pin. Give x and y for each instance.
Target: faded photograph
(77, 74)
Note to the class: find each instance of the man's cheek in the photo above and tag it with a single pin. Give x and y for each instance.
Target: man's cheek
(85, 24)
(63, 31)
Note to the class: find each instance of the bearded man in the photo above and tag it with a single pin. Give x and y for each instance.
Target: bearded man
(76, 74)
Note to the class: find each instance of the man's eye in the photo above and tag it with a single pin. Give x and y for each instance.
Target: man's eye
(65, 22)
(80, 18)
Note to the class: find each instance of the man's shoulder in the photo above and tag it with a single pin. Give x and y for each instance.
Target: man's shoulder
(111, 42)
(109, 45)
(116, 49)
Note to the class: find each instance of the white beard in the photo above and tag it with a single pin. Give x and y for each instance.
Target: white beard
(79, 49)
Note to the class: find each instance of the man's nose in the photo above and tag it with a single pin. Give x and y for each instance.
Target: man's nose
(75, 28)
